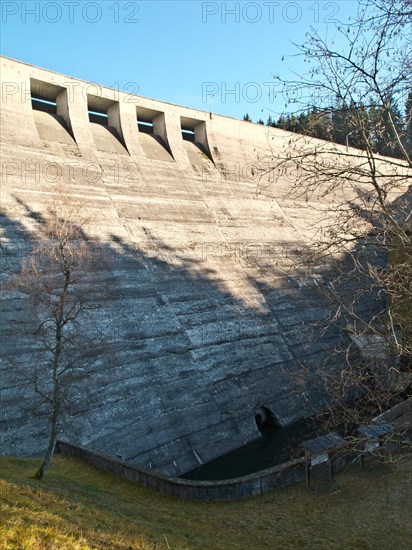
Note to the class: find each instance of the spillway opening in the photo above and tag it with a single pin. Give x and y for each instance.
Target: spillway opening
(103, 111)
(99, 118)
(51, 112)
(105, 126)
(145, 127)
(194, 134)
(188, 135)
(153, 134)
(42, 104)
(46, 96)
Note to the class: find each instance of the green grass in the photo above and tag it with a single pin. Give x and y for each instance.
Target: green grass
(79, 507)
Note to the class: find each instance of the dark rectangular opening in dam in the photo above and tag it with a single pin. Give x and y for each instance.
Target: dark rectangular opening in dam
(42, 104)
(188, 135)
(99, 118)
(145, 127)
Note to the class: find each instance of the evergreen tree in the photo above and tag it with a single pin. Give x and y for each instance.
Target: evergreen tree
(339, 122)
(377, 128)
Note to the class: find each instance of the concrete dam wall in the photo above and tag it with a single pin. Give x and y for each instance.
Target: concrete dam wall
(201, 322)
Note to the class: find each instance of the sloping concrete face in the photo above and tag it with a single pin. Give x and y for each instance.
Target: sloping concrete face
(202, 320)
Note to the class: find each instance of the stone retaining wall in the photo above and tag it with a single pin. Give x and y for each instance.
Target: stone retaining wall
(230, 489)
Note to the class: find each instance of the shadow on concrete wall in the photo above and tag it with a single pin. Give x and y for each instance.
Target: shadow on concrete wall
(184, 353)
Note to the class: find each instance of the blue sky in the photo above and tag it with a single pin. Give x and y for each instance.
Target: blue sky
(176, 51)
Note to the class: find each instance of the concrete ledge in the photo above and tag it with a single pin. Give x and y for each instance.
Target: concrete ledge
(231, 489)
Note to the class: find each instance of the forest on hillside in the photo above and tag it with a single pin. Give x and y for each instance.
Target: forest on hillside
(351, 123)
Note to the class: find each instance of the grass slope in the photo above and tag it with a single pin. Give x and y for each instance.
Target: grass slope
(79, 507)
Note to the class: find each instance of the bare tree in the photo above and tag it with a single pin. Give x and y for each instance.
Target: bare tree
(54, 278)
(363, 236)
